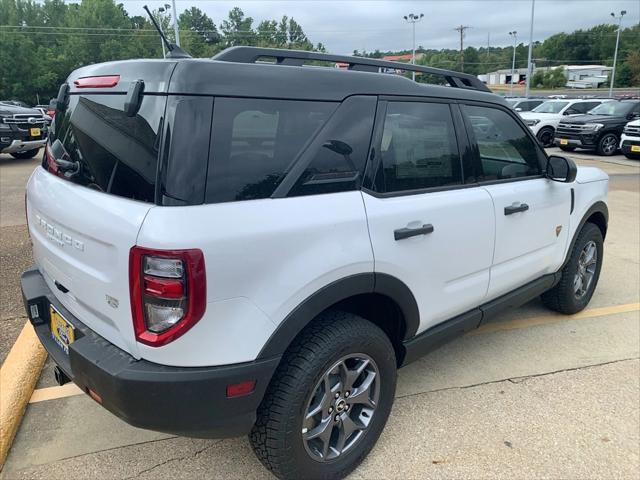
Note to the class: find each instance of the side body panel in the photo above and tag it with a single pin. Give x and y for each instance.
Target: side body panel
(448, 269)
(528, 244)
(263, 258)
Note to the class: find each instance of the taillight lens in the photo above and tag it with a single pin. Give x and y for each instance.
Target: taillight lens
(168, 293)
(52, 166)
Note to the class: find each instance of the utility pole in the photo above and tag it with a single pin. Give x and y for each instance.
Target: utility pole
(461, 29)
(615, 55)
(514, 34)
(175, 22)
(529, 69)
(413, 18)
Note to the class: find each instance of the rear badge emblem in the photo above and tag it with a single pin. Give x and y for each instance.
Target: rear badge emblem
(558, 230)
(113, 302)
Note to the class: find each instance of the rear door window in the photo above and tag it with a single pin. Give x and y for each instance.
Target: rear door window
(254, 142)
(116, 154)
(418, 148)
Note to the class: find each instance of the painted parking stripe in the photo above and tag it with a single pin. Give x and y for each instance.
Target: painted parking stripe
(70, 390)
(51, 393)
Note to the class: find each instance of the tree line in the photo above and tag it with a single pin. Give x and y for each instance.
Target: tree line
(595, 45)
(42, 42)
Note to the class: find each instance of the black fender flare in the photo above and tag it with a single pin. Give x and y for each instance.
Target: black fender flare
(335, 292)
(598, 207)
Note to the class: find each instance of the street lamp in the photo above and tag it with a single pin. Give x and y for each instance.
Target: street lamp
(412, 18)
(529, 67)
(615, 55)
(514, 34)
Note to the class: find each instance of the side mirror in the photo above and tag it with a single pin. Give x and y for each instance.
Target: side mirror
(633, 115)
(569, 111)
(518, 109)
(561, 169)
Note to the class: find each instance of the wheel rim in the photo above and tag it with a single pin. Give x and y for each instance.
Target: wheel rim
(587, 264)
(341, 407)
(609, 144)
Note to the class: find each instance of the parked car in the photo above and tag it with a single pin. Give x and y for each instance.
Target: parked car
(524, 104)
(630, 140)
(348, 222)
(599, 130)
(23, 131)
(543, 120)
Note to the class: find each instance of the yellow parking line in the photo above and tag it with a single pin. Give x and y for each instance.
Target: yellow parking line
(51, 393)
(548, 319)
(70, 390)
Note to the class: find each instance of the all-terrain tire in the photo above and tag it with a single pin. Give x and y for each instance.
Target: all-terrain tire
(563, 298)
(277, 436)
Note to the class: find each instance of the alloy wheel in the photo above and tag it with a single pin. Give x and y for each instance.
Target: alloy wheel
(587, 264)
(341, 407)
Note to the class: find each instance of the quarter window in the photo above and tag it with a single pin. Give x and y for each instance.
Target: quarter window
(418, 148)
(254, 142)
(505, 150)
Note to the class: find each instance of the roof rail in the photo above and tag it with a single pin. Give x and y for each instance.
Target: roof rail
(363, 64)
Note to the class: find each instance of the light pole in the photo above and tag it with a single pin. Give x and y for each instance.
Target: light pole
(615, 55)
(514, 34)
(528, 79)
(175, 22)
(162, 10)
(412, 18)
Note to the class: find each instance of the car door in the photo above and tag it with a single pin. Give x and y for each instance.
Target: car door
(426, 228)
(531, 211)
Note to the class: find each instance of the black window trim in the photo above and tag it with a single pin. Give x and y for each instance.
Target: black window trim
(543, 158)
(375, 159)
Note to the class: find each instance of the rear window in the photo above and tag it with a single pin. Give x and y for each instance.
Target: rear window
(117, 154)
(255, 142)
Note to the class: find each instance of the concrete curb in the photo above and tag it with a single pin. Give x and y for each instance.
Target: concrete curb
(18, 377)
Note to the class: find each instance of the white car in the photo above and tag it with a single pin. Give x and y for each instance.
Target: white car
(243, 247)
(544, 119)
(630, 140)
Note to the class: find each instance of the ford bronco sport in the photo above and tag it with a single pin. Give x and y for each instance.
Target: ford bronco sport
(232, 246)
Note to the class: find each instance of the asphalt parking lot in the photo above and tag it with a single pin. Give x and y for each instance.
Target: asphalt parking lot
(532, 395)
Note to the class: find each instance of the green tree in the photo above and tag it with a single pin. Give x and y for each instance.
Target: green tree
(199, 35)
(237, 29)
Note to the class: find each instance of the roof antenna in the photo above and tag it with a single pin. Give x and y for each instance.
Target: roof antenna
(174, 50)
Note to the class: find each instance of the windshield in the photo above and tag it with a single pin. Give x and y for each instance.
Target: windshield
(612, 108)
(550, 107)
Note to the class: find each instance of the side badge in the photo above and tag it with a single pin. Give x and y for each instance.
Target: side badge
(558, 230)
(113, 302)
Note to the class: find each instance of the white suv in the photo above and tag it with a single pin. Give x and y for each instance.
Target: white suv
(544, 119)
(630, 140)
(227, 247)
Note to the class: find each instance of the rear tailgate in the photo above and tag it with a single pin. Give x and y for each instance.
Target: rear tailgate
(84, 220)
(81, 241)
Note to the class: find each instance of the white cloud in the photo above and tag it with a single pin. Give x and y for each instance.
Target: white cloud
(343, 26)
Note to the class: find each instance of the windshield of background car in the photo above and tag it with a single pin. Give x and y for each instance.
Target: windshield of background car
(550, 107)
(612, 108)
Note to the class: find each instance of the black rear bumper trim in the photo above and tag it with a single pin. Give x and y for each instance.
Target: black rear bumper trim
(189, 401)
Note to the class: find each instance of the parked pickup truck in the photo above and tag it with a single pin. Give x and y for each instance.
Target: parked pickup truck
(23, 131)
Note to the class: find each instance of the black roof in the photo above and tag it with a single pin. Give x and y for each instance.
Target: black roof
(238, 72)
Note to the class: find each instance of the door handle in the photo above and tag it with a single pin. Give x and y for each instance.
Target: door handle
(511, 209)
(402, 233)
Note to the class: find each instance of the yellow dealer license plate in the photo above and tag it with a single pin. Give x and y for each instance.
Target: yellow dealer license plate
(62, 331)
(34, 132)
(564, 141)
(635, 148)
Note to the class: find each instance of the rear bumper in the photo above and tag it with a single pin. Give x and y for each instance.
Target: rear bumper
(23, 145)
(185, 401)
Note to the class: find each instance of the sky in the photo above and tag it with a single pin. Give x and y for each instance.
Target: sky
(344, 26)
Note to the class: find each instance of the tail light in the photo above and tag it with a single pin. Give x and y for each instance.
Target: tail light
(168, 293)
(52, 166)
